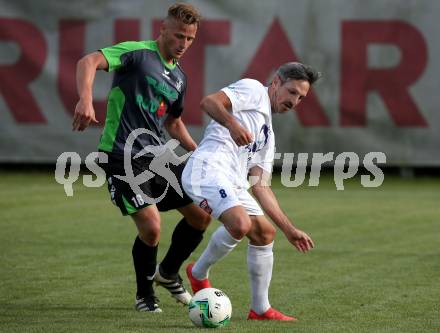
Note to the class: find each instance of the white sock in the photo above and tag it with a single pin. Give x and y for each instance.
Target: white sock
(220, 244)
(260, 264)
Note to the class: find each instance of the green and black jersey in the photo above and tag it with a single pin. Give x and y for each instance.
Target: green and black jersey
(145, 91)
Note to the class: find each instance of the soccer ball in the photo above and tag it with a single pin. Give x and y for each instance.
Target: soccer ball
(211, 308)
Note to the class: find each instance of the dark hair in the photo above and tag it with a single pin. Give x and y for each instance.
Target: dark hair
(298, 71)
(185, 13)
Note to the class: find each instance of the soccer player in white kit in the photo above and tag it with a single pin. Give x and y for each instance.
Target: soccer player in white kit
(238, 142)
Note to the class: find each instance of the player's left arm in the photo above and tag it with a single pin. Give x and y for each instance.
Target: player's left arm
(177, 130)
(265, 196)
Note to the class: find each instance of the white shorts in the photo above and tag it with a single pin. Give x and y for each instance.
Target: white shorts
(214, 192)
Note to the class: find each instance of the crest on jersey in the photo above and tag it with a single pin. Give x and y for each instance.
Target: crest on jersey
(179, 84)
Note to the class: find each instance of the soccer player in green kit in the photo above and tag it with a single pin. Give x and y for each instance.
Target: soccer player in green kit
(147, 93)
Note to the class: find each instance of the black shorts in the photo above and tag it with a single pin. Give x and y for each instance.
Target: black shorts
(156, 190)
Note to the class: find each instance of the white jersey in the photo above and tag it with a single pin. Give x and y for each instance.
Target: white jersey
(251, 107)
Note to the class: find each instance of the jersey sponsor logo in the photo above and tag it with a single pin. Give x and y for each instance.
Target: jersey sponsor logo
(260, 141)
(155, 105)
(161, 109)
(162, 88)
(204, 205)
(163, 96)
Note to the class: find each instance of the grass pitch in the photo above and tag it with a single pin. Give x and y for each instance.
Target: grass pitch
(66, 262)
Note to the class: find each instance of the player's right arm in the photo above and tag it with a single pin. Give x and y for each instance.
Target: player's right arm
(218, 106)
(265, 196)
(85, 75)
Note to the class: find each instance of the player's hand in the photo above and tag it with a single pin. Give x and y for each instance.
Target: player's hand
(240, 135)
(300, 240)
(84, 115)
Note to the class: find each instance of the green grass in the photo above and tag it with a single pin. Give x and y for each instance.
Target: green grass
(66, 262)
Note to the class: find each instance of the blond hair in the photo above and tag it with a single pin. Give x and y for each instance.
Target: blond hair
(185, 12)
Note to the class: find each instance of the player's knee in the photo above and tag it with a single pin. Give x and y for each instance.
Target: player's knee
(201, 221)
(196, 217)
(267, 235)
(204, 221)
(263, 235)
(149, 233)
(151, 239)
(241, 227)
